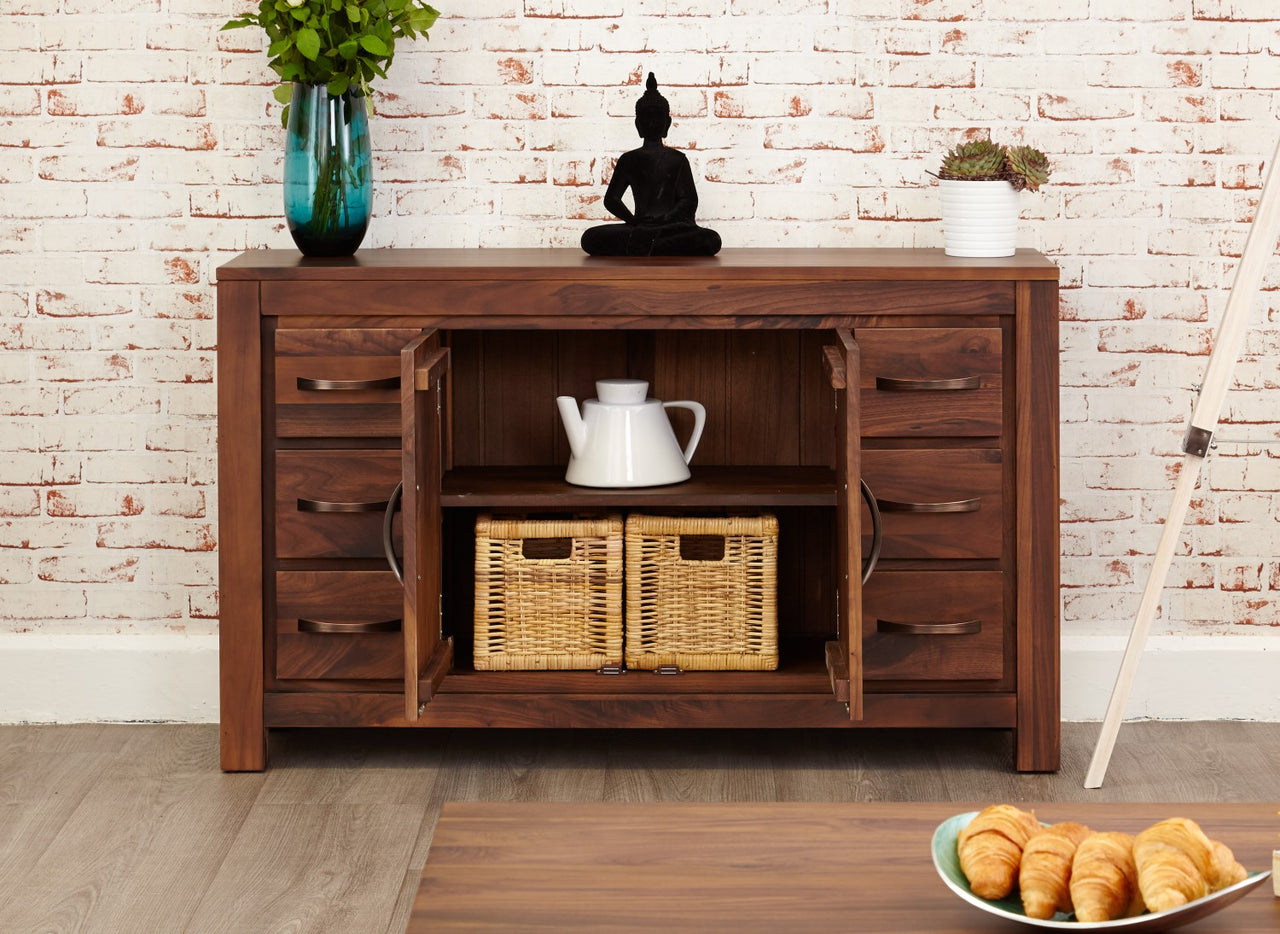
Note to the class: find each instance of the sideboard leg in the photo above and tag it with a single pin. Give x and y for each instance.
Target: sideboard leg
(240, 559)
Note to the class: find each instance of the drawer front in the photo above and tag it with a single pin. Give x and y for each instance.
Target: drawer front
(342, 383)
(936, 503)
(930, 382)
(330, 504)
(317, 613)
(933, 625)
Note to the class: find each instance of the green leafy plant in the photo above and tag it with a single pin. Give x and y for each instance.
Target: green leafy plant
(982, 160)
(342, 44)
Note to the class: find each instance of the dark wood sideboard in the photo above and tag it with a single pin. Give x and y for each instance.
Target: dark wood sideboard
(933, 379)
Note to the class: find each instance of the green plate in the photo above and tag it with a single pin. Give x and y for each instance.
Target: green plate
(947, 862)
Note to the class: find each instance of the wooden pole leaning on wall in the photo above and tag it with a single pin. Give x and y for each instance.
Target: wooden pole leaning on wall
(1258, 249)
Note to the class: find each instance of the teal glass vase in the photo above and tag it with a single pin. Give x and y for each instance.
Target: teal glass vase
(328, 178)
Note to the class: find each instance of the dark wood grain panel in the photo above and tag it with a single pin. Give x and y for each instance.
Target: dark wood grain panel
(710, 710)
(925, 354)
(341, 596)
(336, 413)
(694, 365)
(529, 301)
(333, 476)
(927, 476)
(744, 868)
(240, 532)
(931, 598)
(1038, 670)
(342, 342)
(764, 396)
(545, 488)
(735, 264)
(519, 421)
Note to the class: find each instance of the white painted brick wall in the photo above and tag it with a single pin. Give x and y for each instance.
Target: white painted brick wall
(140, 148)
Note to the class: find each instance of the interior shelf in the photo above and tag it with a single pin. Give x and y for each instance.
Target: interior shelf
(801, 671)
(531, 488)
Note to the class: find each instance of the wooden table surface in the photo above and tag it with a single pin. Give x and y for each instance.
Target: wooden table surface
(782, 868)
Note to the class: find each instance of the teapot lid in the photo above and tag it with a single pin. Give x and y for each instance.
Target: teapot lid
(622, 391)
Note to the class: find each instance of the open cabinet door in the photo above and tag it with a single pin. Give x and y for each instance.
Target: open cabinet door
(844, 656)
(428, 656)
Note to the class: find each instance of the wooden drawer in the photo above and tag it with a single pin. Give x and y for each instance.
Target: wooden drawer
(933, 625)
(312, 609)
(330, 504)
(930, 382)
(341, 383)
(936, 503)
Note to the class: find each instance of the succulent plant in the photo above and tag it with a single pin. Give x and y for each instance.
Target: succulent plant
(978, 160)
(1026, 167)
(982, 160)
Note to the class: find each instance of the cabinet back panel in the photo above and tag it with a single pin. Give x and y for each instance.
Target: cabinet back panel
(766, 402)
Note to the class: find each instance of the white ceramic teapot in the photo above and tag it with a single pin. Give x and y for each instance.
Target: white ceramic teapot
(624, 439)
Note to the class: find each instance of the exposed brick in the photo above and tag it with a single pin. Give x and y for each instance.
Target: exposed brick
(164, 533)
(88, 568)
(92, 167)
(36, 605)
(140, 148)
(136, 603)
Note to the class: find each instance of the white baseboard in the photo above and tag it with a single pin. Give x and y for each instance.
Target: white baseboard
(70, 678)
(173, 677)
(1221, 677)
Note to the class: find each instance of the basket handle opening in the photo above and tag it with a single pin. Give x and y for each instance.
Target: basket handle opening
(546, 549)
(702, 547)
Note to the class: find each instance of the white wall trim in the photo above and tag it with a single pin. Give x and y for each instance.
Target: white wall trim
(1219, 677)
(68, 678)
(71, 678)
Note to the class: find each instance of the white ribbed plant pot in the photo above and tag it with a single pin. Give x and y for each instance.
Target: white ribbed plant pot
(978, 218)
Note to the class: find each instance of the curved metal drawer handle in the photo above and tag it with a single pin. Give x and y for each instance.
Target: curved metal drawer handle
(318, 505)
(877, 531)
(307, 384)
(335, 627)
(960, 505)
(893, 384)
(388, 518)
(965, 627)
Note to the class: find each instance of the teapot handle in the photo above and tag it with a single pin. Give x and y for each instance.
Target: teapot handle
(699, 421)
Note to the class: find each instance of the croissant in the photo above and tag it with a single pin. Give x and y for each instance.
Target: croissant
(1045, 872)
(1174, 858)
(1224, 870)
(1104, 879)
(990, 848)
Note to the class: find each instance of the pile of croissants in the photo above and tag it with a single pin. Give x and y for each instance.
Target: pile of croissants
(1067, 867)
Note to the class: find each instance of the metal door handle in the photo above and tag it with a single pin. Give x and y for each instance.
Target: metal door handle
(960, 505)
(318, 505)
(388, 518)
(334, 626)
(959, 628)
(307, 384)
(877, 532)
(894, 384)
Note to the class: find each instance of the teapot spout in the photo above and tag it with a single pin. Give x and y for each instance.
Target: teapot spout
(573, 426)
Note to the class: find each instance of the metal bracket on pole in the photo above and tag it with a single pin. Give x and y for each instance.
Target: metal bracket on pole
(1197, 441)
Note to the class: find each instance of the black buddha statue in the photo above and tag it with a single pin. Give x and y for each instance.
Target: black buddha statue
(661, 184)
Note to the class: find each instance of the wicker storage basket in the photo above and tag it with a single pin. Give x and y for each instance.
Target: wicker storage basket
(548, 593)
(702, 592)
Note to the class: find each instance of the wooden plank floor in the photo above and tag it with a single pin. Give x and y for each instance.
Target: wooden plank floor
(132, 828)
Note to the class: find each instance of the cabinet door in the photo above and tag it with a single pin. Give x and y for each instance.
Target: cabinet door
(844, 657)
(424, 365)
